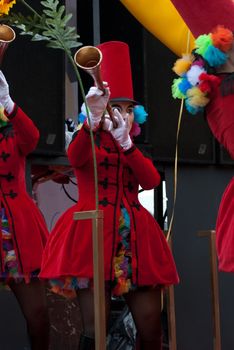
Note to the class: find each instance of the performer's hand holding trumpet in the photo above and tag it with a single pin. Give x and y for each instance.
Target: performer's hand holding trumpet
(89, 59)
(97, 102)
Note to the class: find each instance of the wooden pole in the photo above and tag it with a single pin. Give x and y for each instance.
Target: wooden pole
(214, 288)
(171, 318)
(98, 274)
(171, 313)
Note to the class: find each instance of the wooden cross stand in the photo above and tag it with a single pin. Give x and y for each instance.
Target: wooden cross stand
(98, 272)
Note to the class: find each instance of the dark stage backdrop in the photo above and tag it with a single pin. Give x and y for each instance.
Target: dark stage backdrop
(36, 78)
(200, 189)
(152, 79)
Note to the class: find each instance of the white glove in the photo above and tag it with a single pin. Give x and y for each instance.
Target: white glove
(5, 98)
(121, 133)
(107, 124)
(97, 102)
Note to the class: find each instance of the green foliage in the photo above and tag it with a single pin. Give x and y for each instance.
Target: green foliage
(50, 26)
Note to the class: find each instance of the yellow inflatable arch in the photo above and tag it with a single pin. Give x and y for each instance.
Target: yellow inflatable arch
(162, 19)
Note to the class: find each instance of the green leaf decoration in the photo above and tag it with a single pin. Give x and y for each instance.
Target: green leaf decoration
(51, 26)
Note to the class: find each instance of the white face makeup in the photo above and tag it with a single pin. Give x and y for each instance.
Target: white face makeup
(125, 109)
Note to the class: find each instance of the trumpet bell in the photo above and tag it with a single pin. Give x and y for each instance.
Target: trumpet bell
(7, 35)
(88, 57)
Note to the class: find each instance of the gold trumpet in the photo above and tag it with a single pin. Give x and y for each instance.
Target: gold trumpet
(89, 59)
(7, 35)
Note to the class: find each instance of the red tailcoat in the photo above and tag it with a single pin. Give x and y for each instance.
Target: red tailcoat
(220, 117)
(69, 249)
(27, 225)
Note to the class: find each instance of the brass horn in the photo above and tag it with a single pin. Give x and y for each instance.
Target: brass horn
(7, 35)
(89, 59)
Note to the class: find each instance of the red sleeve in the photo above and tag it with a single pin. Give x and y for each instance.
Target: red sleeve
(27, 132)
(220, 118)
(80, 150)
(143, 168)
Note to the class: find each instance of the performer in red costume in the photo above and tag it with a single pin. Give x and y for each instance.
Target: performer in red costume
(216, 18)
(138, 261)
(23, 230)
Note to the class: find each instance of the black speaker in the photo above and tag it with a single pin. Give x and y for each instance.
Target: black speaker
(196, 143)
(36, 79)
(224, 157)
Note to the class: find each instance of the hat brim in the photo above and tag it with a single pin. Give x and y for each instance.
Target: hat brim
(124, 99)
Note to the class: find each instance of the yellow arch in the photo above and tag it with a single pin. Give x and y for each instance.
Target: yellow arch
(162, 19)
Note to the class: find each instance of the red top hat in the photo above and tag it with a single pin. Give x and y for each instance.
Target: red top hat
(116, 70)
(201, 16)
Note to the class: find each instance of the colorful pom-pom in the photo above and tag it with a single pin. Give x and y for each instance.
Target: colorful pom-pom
(140, 114)
(202, 43)
(196, 98)
(194, 73)
(222, 38)
(214, 56)
(214, 45)
(198, 62)
(135, 130)
(207, 81)
(196, 84)
(184, 85)
(81, 118)
(183, 64)
(176, 93)
(192, 110)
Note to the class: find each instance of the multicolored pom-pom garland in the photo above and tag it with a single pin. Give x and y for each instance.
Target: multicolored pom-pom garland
(194, 83)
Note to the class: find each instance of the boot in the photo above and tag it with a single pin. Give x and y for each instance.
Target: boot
(86, 343)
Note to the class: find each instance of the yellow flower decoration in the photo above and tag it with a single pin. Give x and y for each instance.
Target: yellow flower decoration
(5, 6)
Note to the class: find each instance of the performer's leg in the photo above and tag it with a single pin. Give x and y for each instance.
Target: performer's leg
(145, 306)
(86, 302)
(32, 300)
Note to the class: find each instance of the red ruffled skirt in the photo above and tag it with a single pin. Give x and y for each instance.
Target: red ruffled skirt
(10, 264)
(122, 282)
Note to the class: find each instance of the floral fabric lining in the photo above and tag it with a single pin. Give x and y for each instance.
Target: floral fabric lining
(9, 258)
